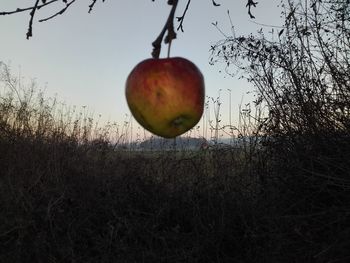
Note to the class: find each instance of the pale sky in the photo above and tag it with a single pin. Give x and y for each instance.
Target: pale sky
(86, 58)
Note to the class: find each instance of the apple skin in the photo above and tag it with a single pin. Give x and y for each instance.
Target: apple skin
(166, 96)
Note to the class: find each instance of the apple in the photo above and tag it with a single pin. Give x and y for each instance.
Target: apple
(166, 96)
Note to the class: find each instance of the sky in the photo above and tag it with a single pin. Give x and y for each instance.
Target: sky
(84, 59)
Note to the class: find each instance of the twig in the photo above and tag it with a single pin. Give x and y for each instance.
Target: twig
(19, 10)
(59, 12)
(214, 3)
(32, 14)
(91, 6)
(169, 26)
(267, 25)
(249, 5)
(182, 18)
(38, 6)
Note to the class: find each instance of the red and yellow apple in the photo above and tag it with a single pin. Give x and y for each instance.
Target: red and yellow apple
(166, 96)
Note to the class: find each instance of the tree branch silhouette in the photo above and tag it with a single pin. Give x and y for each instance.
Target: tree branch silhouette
(19, 10)
(181, 18)
(32, 14)
(59, 12)
(169, 26)
(91, 6)
(38, 6)
(249, 5)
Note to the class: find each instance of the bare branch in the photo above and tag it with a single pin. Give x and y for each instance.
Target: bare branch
(249, 5)
(181, 18)
(19, 10)
(59, 12)
(156, 44)
(214, 3)
(91, 6)
(169, 26)
(32, 14)
(38, 6)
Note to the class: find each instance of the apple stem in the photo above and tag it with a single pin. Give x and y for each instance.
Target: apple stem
(169, 26)
(169, 47)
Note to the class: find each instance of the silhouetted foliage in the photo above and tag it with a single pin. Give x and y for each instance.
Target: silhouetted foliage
(303, 76)
(302, 80)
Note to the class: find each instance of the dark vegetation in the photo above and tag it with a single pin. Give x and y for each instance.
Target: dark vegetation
(67, 195)
(282, 195)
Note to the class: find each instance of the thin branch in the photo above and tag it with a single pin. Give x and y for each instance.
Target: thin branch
(19, 10)
(169, 26)
(38, 6)
(59, 12)
(156, 44)
(91, 6)
(215, 4)
(182, 18)
(32, 14)
(218, 28)
(266, 25)
(249, 5)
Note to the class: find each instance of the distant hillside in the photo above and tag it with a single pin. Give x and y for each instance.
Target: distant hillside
(168, 144)
(187, 143)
